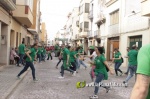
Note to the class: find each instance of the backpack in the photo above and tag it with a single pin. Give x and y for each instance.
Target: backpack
(122, 59)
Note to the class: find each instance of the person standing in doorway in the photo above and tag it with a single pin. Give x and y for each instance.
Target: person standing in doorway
(29, 62)
(132, 55)
(21, 53)
(141, 89)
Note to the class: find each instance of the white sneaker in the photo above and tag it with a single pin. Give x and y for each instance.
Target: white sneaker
(93, 97)
(74, 74)
(60, 77)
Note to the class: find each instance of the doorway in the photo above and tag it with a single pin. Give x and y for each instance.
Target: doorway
(113, 43)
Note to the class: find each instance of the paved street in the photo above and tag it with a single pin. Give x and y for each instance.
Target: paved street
(50, 87)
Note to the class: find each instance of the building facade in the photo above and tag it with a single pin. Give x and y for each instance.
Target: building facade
(43, 34)
(15, 19)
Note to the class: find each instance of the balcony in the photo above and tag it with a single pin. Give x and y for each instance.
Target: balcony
(77, 37)
(24, 15)
(90, 34)
(101, 19)
(91, 14)
(97, 34)
(145, 7)
(77, 23)
(9, 4)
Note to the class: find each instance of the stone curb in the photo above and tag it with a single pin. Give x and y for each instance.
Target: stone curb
(14, 86)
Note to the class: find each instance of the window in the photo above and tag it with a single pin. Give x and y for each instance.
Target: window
(86, 26)
(81, 25)
(114, 17)
(87, 5)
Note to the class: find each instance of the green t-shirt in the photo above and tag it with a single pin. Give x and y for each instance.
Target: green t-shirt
(80, 51)
(39, 51)
(100, 67)
(72, 58)
(56, 47)
(144, 63)
(117, 54)
(32, 54)
(44, 51)
(132, 54)
(65, 52)
(77, 55)
(22, 49)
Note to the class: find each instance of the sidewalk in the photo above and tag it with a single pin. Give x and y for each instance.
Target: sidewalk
(8, 80)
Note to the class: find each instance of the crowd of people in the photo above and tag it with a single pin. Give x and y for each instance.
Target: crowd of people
(73, 57)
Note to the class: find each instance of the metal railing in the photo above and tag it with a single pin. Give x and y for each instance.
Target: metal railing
(90, 33)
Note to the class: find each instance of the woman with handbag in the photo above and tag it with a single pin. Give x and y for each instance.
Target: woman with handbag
(100, 70)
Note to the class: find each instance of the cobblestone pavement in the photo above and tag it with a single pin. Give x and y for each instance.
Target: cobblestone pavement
(50, 87)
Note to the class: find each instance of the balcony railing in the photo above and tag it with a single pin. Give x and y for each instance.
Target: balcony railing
(77, 36)
(77, 23)
(91, 14)
(86, 29)
(90, 34)
(96, 34)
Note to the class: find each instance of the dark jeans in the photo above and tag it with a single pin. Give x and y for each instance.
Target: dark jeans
(59, 62)
(43, 57)
(28, 64)
(99, 78)
(63, 69)
(127, 69)
(117, 65)
(17, 60)
(73, 66)
(39, 57)
(132, 70)
(21, 59)
(50, 56)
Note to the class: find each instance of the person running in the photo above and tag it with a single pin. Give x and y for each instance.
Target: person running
(66, 61)
(92, 57)
(77, 58)
(49, 54)
(60, 58)
(21, 53)
(43, 53)
(118, 61)
(72, 59)
(132, 55)
(128, 49)
(141, 89)
(29, 62)
(81, 59)
(39, 54)
(100, 70)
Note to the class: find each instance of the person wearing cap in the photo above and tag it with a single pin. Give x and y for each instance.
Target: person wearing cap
(141, 89)
(132, 55)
